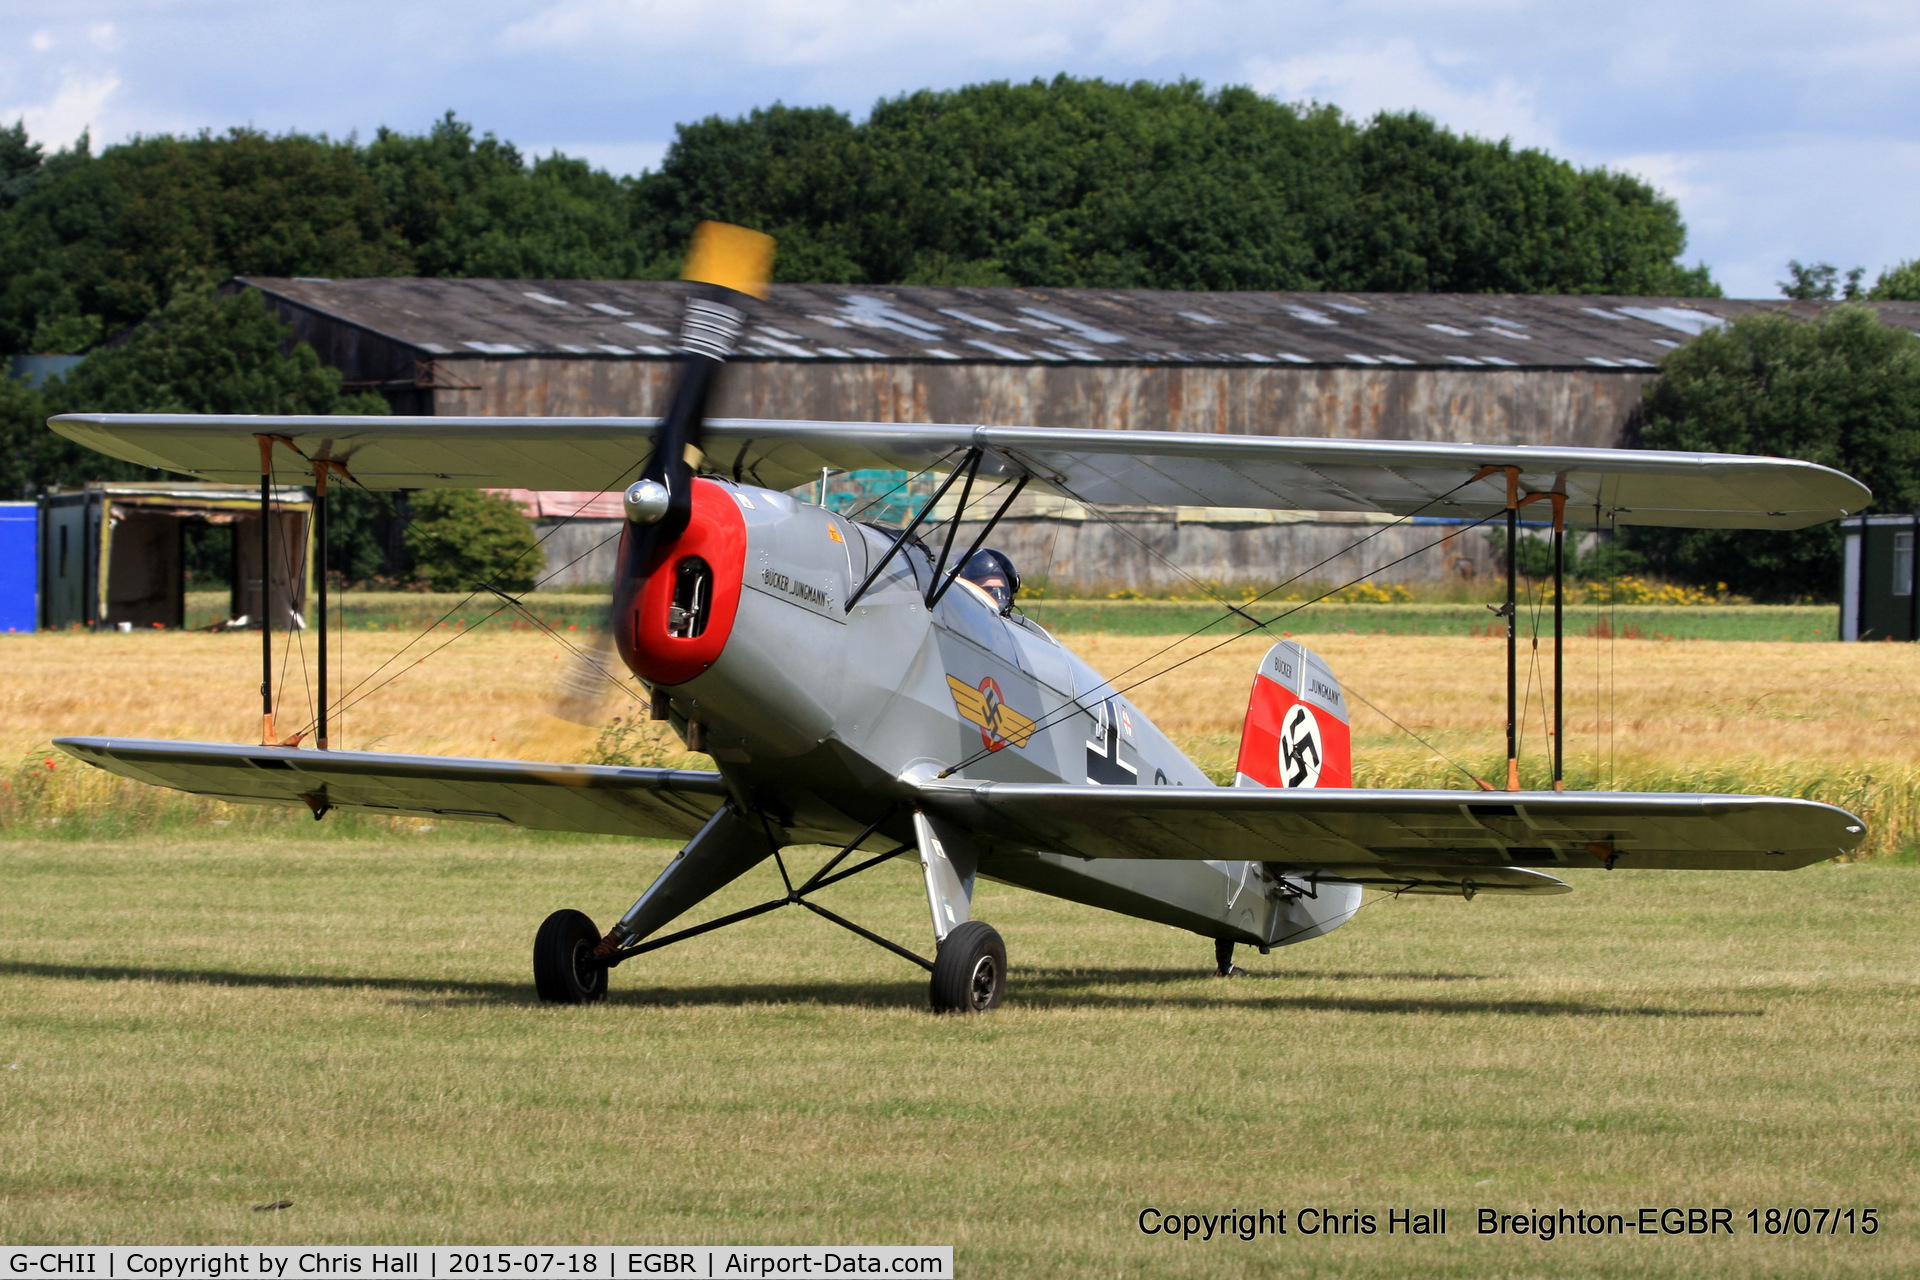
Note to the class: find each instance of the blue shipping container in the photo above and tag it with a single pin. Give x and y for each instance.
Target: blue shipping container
(19, 566)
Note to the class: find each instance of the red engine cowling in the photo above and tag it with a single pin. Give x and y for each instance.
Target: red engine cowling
(1296, 732)
(683, 610)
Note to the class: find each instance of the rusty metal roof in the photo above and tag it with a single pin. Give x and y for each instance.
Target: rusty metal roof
(629, 319)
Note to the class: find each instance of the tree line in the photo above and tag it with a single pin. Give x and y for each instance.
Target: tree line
(1064, 183)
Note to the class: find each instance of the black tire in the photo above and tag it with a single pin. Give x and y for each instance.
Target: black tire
(970, 970)
(560, 950)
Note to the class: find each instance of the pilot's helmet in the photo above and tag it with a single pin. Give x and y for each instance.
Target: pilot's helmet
(993, 573)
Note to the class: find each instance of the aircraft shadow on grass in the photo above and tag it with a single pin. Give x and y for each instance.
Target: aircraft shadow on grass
(1042, 989)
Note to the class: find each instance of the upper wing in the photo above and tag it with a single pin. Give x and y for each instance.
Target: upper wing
(1414, 838)
(1627, 486)
(666, 803)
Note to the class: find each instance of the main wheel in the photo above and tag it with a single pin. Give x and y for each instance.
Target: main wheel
(562, 951)
(970, 970)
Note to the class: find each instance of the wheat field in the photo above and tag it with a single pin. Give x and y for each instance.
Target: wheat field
(1829, 721)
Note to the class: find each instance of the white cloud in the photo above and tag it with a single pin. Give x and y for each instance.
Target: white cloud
(1398, 76)
(73, 107)
(1783, 129)
(1814, 198)
(803, 33)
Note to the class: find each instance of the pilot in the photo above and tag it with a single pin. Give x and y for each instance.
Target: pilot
(993, 573)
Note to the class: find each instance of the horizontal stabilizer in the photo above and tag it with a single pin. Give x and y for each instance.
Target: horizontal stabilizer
(1282, 473)
(1421, 839)
(596, 799)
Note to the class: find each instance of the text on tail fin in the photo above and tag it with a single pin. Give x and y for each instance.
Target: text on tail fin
(1296, 732)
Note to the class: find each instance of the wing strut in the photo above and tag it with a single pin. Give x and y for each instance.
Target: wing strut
(266, 592)
(1513, 629)
(796, 895)
(1558, 499)
(969, 464)
(320, 532)
(1559, 640)
(322, 467)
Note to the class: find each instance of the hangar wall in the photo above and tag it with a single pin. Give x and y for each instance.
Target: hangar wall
(1506, 370)
(1544, 407)
(1496, 406)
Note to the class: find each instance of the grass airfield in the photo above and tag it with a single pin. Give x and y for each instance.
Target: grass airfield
(214, 1007)
(203, 1024)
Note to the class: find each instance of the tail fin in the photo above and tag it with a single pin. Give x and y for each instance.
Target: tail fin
(1296, 733)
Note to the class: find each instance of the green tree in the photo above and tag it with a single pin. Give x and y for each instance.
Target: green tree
(789, 171)
(1061, 182)
(116, 236)
(1819, 282)
(202, 354)
(468, 206)
(1842, 390)
(1533, 557)
(355, 519)
(23, 421)
(460, 539)
(1899, 283)
(1083, 182)
(20, 163)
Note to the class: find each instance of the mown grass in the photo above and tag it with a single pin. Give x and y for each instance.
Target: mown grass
(213, 1006)
(191, 1026)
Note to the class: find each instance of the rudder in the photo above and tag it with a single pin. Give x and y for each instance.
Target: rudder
(1296, 732)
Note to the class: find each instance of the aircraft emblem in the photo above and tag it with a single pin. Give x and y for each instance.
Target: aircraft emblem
(1105, 768)
(983, 705)
(1301, 754)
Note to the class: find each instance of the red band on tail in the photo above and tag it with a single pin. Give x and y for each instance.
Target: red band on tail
(1290, 740)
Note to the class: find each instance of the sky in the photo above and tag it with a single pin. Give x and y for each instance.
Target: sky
(1784, 130)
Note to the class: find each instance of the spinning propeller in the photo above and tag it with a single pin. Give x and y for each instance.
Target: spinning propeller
(731, 265)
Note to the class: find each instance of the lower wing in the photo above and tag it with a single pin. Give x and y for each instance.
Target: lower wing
(597, 799)
(1431, 841)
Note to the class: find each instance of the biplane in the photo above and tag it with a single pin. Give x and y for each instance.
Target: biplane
(876, 689)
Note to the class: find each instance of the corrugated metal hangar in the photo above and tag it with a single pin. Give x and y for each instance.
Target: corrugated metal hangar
(1468, 367)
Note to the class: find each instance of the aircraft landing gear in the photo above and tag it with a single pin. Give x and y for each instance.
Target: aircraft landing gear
(969, 970)
(563, 967)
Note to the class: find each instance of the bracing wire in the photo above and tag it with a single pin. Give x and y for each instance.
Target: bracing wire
(296, 572)
(1075, 707)
(1285, 583)
(343, 702)
(348, 699)
(1536, 594)
(1470, 774)
(876, 500)
(1613, 647)
(1281, 617)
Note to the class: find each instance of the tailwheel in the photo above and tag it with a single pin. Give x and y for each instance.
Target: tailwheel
(970, 970)
(563, 968)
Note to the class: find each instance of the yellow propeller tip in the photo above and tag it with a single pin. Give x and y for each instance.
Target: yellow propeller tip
(731, 257)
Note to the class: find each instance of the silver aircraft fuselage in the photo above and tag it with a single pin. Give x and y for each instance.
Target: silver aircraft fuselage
(822, 716)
